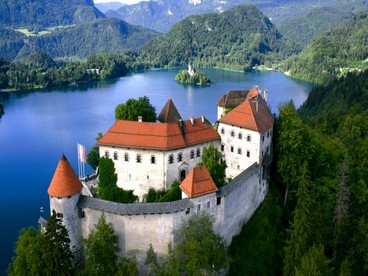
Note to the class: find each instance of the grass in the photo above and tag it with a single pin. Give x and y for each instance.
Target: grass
(257, 250)
(29, 33)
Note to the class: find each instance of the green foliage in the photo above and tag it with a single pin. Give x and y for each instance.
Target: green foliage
(198, 78)
(333, 54)
(314, 262)
(101, 249)
(101, 253)
(302, 28)
(93, 157)
(212, 160)
(257, 250)
(301, 227)
(237, 39)
(45, 253)
(43, 13)
(291, 148)
(107, 188)
(172, 194)
(197, 251)
(134, 108)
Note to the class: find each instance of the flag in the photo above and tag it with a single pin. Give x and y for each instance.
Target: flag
(82, 153)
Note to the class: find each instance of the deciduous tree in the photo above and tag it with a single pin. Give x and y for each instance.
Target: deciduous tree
(134, 108)
(212, 159)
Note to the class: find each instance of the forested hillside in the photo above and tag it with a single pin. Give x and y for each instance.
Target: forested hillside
(40, 14)
(303, 28)
(334, 53)
(318, 201)
(237, 39)
(109, 35)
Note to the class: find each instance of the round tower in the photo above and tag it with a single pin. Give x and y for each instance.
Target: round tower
(64, 191)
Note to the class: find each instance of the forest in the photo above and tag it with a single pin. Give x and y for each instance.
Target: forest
(314, 220)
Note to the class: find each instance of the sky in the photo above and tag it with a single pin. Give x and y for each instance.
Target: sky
(129, 2)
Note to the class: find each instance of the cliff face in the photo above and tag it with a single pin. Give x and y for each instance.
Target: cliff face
(46, 13)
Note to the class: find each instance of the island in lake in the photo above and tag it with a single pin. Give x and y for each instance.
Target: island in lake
(192, 76)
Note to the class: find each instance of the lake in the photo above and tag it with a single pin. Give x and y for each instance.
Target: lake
(39, 126)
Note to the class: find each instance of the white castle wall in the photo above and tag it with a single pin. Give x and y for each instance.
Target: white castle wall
(138, 225)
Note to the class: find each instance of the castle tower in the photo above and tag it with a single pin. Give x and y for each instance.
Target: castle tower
(64, 191)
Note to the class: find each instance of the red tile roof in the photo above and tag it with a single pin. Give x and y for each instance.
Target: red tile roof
(158, 136)
(64, 182)
(198, 182)
(169, 113)
(252, 114)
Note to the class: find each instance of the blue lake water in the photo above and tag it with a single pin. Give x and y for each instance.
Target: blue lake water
(39, 126)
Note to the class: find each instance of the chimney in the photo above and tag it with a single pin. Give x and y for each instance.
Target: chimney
(202, 117)
(265, 95)
(140, 119)
(191, 119)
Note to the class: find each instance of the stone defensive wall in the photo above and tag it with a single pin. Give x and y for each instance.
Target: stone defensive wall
(140, 224)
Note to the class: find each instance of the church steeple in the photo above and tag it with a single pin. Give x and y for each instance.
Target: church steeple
(64, 182)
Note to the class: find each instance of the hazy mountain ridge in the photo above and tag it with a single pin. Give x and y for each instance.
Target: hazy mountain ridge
(161, 15)
(238, 39)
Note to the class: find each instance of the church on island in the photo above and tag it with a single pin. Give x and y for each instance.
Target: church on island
(155, 154)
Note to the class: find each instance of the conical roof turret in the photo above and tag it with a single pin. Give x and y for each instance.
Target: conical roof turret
(64, 182)
(169, 113)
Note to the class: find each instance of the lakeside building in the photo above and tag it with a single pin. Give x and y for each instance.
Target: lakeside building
(140, 224)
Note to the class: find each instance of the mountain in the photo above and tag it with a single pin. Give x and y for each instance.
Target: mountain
(109, 35)
(40, 14)
(104, 7)
(238, 39)
(161, 15)
(334, 53)
(304, 27)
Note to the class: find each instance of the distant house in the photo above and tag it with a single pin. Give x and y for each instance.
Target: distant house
(154, 154)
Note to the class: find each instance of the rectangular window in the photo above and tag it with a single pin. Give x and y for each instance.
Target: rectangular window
(249, 138)
(198, 207)
(116, 155)
(171, 158)
(198, 152)
(248, 153)
(107, 154)
(126, 157)
(262, 138)
(180, 157)
(232, 149)
(218, 201)
(222, 147)
(139, 158)
(208, 204)
(239, 151)
(240, 135)
(191, 154)
(232, 133)
(222, 130)
(153, 159)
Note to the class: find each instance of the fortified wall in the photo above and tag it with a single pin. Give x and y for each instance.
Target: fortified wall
(138, 225)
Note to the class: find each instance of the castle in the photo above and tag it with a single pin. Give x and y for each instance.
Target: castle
(153, 155)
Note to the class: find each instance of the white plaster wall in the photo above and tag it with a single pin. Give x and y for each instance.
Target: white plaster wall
(220, 112)
(136, 232)
(141, 176)
(237, 163)
(238, 207)
(67, 207)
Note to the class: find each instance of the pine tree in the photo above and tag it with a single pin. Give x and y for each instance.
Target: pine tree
(301, 227)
